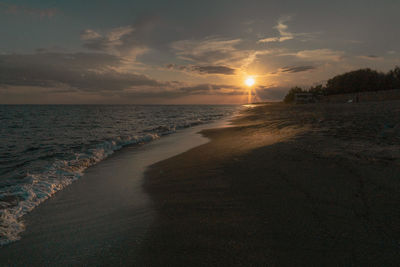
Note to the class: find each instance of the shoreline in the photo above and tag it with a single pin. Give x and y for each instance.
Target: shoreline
(313, 185)
(102, 217)
(285, 185)
(35, 171)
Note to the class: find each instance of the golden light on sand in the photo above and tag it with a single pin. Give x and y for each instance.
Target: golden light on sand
(250, 81)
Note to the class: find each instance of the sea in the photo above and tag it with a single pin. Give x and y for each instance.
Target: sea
(44, 148)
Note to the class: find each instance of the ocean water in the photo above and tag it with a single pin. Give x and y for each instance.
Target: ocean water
(44, 148)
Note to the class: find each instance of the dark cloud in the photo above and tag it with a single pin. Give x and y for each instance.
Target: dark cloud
(52, 49)
(201, 88)
(294, 69)
(177, 67)
(41, 50)
(204, 69)
(83, 71)
(95, 73)
(209, 89)
(215, 70)
(371, 57)
(64, 61)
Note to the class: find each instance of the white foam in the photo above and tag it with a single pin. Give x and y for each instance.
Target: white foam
(20, 196)
(61, 173)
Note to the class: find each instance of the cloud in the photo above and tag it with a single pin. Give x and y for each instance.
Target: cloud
(354, 41)
(121, 41)
(207, 51)
(82, 71)
(36, 12)
(285, 34)
(51, 49)
(129, 41)
(317, 55)
(112, 41)
(295, 69)
(371, 57)
(214, 70)
(223, 70)
(92, 73)
(274, 39)
(216, 52)
(89, 35)
(211, 89)
(180, 90)
(282, 28)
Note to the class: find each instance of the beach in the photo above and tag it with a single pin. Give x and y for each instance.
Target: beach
(286, 185)
(280, 185)
(199, 133)
(102, 218)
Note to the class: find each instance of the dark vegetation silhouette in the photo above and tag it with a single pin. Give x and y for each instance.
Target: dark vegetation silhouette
(362, 80)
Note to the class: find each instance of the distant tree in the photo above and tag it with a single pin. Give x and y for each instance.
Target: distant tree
(393, 78)
(363, 80)
(396, 74)
(289, 98)
(317, 90)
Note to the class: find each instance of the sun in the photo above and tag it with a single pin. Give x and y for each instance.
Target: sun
(250, 81)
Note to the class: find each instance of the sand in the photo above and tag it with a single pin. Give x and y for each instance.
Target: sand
(287, 185)
(100, 219)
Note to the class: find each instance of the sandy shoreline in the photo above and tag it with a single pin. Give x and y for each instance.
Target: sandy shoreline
(306, 185)
(101, 218)
(312, 185)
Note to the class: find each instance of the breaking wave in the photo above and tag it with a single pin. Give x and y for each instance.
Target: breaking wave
(53, 154)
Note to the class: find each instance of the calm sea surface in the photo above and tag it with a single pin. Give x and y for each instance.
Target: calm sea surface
(44, 148)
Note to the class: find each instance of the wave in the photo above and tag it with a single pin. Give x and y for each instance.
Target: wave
(24, 197)
(52, 149)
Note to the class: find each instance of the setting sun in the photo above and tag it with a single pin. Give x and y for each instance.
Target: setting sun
(250, 81)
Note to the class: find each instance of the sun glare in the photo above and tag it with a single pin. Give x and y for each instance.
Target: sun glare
(250, 81)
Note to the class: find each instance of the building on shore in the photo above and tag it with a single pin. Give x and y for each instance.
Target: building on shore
(383, 95)
(303, 98)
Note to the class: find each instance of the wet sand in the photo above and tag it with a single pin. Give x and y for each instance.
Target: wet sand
(102, 218)
(301, 185)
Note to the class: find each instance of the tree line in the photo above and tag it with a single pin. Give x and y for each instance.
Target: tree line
(362, 80)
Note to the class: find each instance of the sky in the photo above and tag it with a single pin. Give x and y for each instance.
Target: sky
(186, 52)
